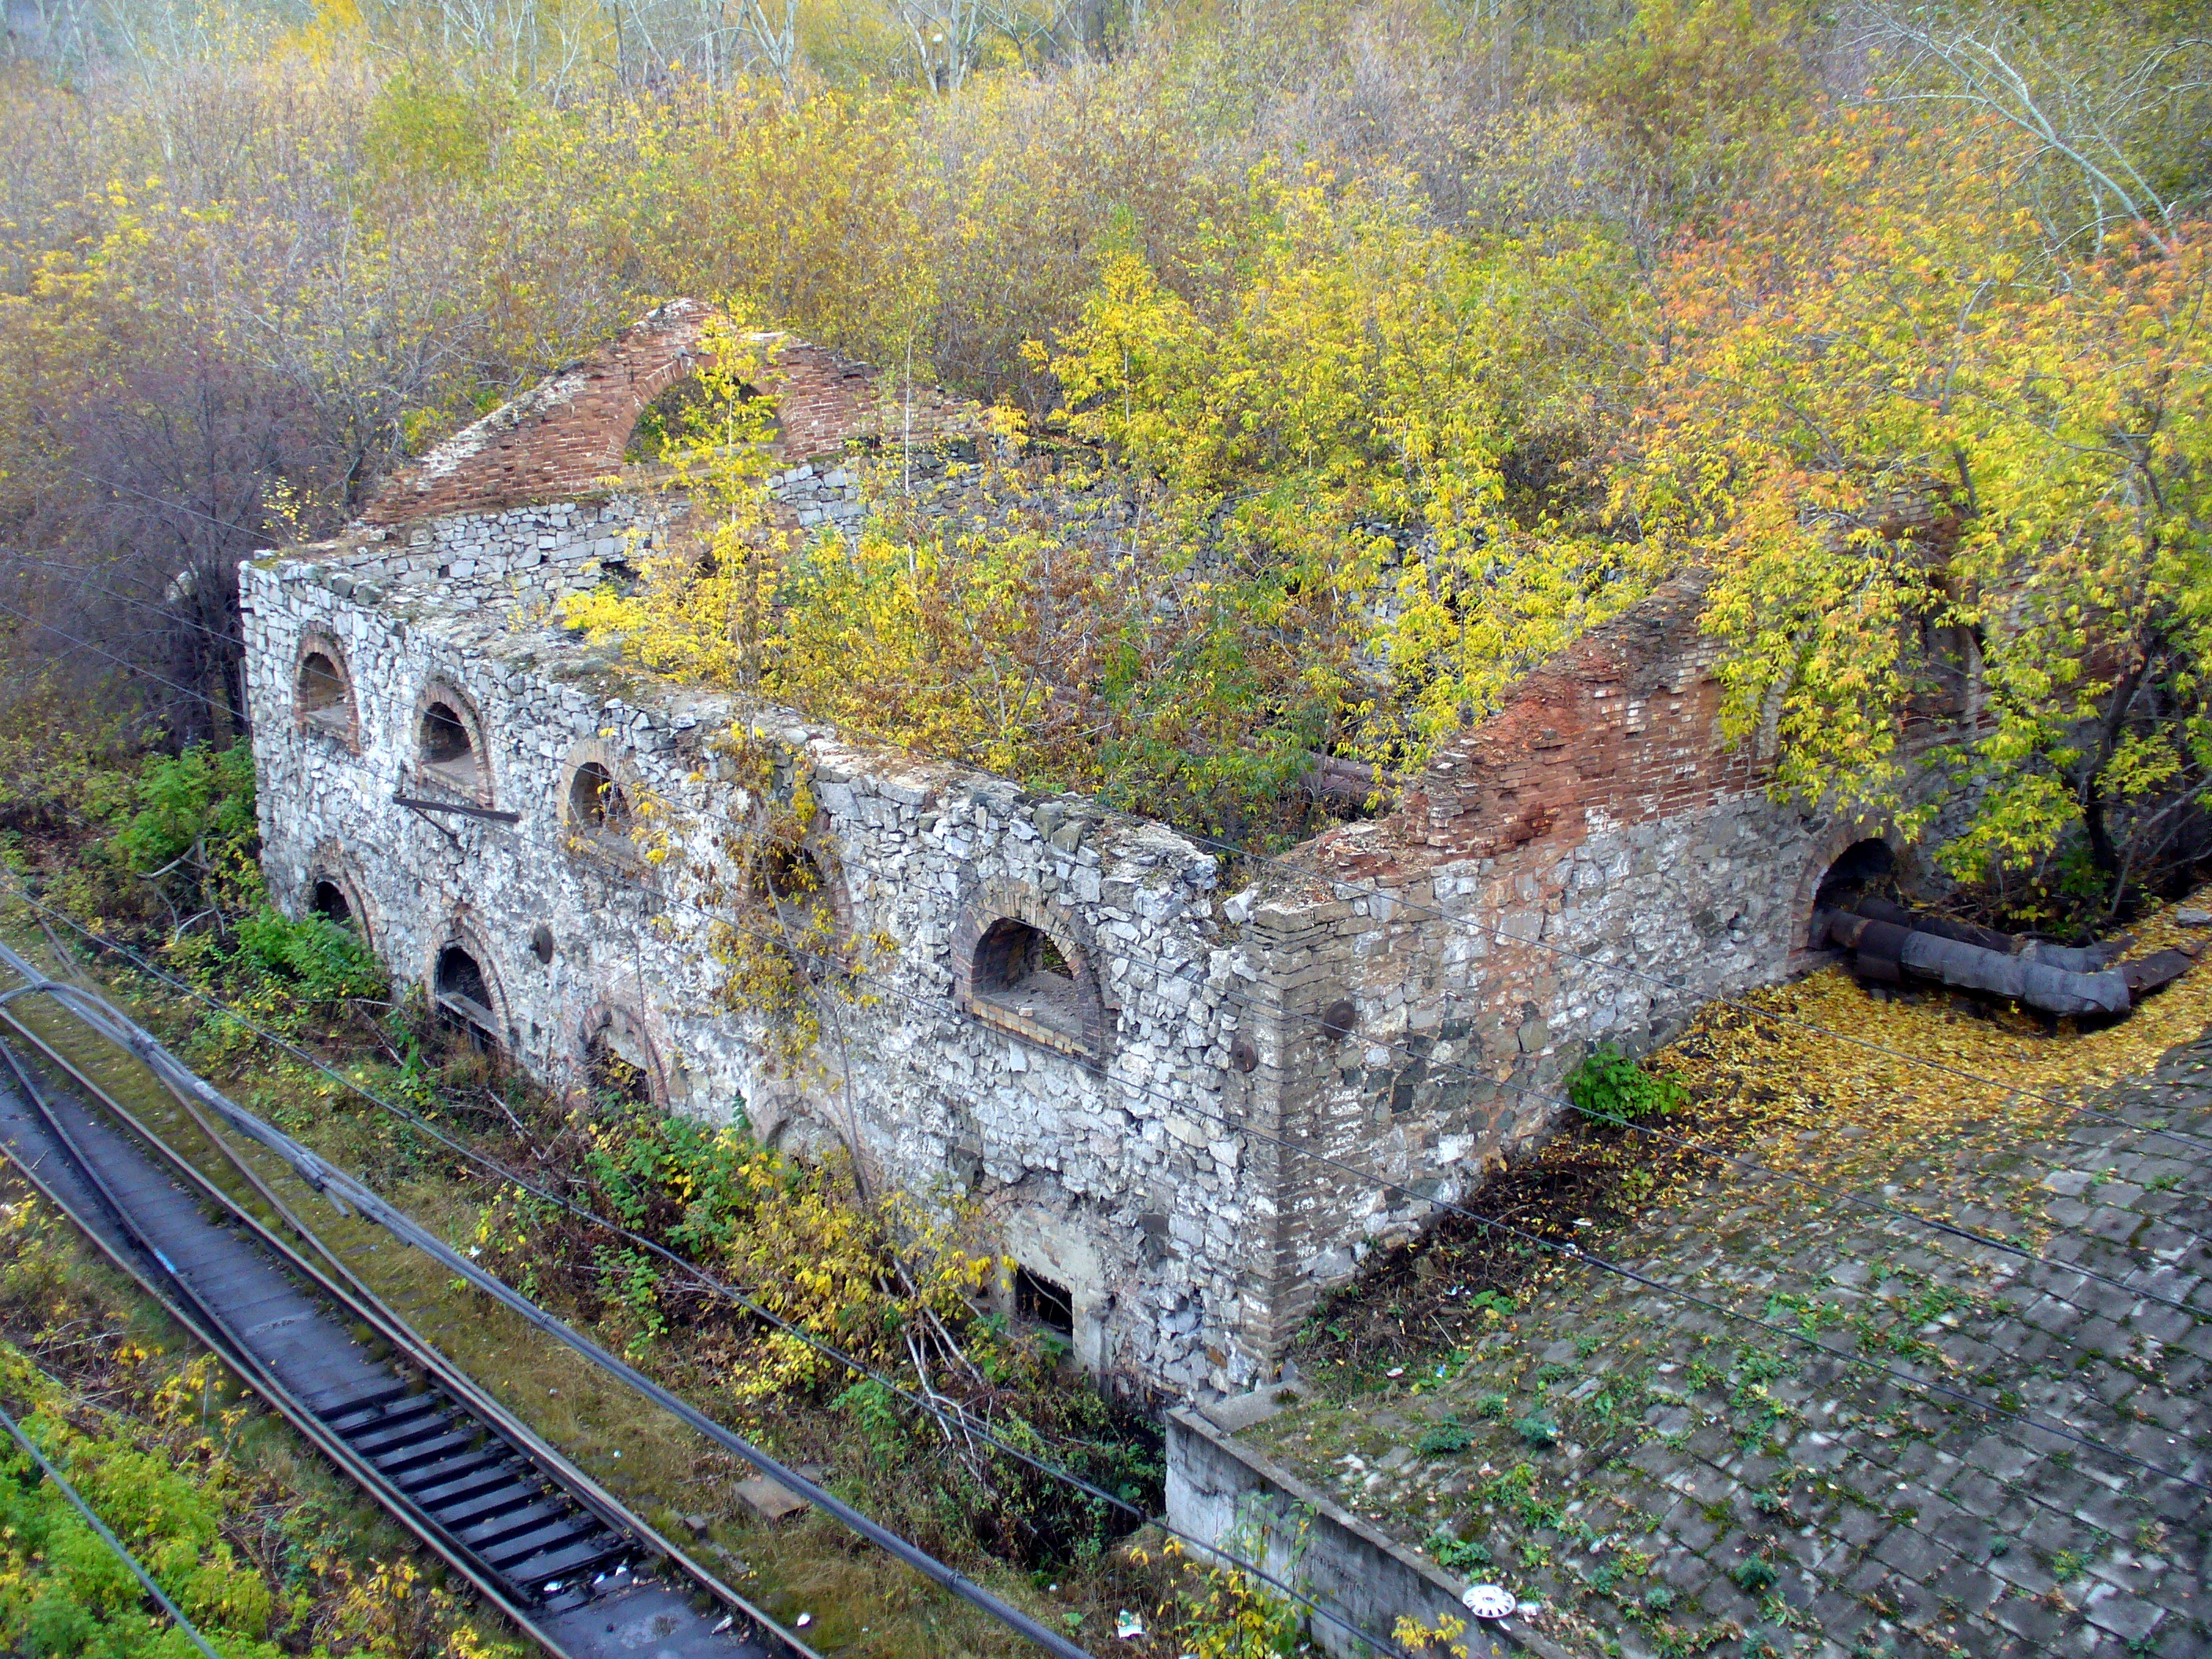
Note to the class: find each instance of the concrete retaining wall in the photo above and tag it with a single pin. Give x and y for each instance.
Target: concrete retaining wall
(1220, 1493)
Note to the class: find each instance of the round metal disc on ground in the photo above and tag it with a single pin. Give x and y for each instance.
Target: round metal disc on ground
(1488, 1602)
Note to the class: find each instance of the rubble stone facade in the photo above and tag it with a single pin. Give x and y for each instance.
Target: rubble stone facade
(1163, 1104)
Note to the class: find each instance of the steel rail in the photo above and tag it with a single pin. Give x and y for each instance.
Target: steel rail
(343, 1190)
(215, 1331)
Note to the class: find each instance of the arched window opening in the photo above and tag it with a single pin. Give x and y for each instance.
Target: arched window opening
(596, 806)
(664, 424)
(463, 999)
(445, 736)
(1024, 971)
(323, 695)
(790, 882)
(328, 901)
(617, 1066)
(448, 749)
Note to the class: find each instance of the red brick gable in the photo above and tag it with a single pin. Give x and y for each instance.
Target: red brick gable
(1621, 726)
(563, 439)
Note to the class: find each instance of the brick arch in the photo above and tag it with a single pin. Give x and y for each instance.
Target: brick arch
(440, 689)
(613, 1013)
(559, 439)
(995, 901)
(340, 722)
(1840, 838)
(460, 931)
(333, 863)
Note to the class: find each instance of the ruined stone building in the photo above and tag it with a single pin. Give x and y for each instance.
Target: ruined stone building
(1132, 1067)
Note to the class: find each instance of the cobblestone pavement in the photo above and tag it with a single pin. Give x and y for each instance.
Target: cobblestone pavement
(1668, 1479)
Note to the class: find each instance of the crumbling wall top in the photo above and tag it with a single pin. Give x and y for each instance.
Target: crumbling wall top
(563, 439)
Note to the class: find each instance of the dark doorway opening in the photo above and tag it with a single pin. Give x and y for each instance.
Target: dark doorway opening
(618, 1067)
(465, 999)
(1863, 870)
(1866, 868)
(328, 901)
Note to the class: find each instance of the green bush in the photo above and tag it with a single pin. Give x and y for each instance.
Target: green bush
(1458, 1554)
(321, 960)
(1612, 1088)
(201, 798)
(1754, 1577)
(1449, 1436)
(1537, 1431)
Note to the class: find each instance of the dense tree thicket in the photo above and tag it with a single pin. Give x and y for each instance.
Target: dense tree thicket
(1398, 342)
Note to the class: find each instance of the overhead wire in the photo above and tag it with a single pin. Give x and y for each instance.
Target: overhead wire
(341, 1188)
(951, 1413)
(1376, 1180)
(1943, 1227)
(698, 1275)
(120, 662)
(1574, 1251)
(1368, 890)
(100, 1529)
(1568, 1251)
(82, 581)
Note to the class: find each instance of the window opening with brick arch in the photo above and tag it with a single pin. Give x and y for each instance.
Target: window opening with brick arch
(675, 417)
(1023, 970)
(789, 880)
(617, 1066)
(1042, 1302)
(596, 804)
(448, 750)
(329, 902)
(463, 999)
(324, 695)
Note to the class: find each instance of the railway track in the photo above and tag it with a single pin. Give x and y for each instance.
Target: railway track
(560, 1556)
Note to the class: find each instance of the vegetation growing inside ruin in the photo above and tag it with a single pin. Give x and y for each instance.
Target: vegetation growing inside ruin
(1383, 347)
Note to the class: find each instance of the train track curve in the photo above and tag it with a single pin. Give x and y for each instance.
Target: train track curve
(563, 1558)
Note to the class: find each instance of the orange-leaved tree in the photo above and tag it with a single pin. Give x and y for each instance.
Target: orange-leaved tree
(1955, 486)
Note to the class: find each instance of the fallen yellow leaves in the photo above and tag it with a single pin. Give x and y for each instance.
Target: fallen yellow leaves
(1831, 1076)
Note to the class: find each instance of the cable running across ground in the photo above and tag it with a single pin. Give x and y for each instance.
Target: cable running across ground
(1521, 1234)
(698, 1275)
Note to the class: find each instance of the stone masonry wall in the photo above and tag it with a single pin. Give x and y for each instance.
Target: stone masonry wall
(1253, 1090)
(1110, 1173)
(1588, 866)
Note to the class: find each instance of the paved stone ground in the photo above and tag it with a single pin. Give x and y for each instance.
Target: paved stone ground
(1668, 1480)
